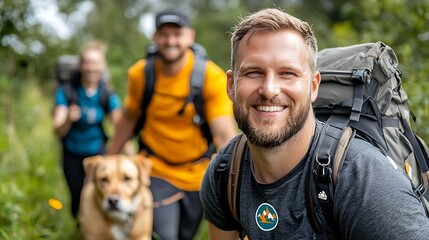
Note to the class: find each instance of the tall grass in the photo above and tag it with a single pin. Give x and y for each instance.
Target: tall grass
(30, 172)
(30, 168)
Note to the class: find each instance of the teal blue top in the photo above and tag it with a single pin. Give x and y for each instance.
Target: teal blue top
(86, 136)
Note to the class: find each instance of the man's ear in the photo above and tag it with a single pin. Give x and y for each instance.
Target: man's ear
(230, 88)
(89, 165)
(190, 32)
(315, 83)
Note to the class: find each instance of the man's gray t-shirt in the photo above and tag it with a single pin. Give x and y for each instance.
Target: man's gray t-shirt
(373, 200)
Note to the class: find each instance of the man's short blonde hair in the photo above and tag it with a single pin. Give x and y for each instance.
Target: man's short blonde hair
(272, 19)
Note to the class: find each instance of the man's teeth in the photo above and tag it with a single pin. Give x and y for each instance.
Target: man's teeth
(269, 108)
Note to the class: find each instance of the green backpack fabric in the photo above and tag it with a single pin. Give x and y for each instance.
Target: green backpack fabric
(361, 89)
(360, 94)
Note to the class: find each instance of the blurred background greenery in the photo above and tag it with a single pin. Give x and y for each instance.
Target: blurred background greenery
(34, 33)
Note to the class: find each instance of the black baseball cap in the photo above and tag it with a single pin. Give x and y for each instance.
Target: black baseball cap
(171, 16)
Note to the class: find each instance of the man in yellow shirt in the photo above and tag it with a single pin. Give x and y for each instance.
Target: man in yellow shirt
(174, 144)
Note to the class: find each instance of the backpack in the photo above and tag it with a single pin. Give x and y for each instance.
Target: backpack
(360, 95)
(196, 83)
(67, 76)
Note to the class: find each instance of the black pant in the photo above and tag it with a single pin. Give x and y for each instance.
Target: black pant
(178, 220)
(75, 176)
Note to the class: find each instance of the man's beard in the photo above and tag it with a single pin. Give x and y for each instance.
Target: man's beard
(265, 139)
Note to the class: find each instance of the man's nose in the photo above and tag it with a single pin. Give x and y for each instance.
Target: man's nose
(270, 87)
(171, 39)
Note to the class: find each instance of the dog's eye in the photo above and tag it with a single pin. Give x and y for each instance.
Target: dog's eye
(127, 178)
(104, 180)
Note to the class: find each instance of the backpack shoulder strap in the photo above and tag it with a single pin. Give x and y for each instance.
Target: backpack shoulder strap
(105, 93)
(198, 76)
(196, 96)
(70, 90)
(228, 173)
(234, 173)
(150, 77)
(341, 151)
(326, 162)
(421, 156)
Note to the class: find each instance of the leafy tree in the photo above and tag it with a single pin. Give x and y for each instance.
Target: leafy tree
(17, 34)
(213, 31)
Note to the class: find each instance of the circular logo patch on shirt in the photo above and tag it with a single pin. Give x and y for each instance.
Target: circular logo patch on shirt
(266, 217)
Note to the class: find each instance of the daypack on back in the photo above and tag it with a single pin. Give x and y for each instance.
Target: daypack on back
(196, 84)
(360, 94)
(67, 76)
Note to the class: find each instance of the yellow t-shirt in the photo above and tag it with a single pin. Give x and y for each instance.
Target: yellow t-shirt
(175, 140)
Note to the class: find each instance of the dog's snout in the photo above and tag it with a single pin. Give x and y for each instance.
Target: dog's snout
(113, 202)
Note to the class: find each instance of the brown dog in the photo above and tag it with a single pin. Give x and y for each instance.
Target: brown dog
(116, 202)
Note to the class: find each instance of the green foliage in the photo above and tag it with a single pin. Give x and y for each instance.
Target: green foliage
(30, 166)
(213, 31)
(15, 34)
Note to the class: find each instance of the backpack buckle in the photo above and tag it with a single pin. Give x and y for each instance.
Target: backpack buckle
(322, 170)
(420, 191)
(358, 75)
(198, 120)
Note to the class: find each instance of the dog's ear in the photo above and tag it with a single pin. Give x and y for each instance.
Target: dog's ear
(145, 166)
(89, 165)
